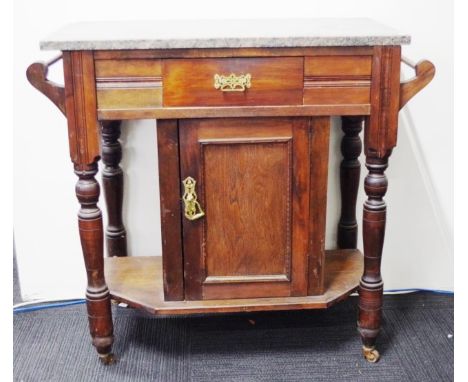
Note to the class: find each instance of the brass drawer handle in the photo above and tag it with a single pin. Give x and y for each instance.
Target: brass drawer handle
(232, 83)
(190, 200)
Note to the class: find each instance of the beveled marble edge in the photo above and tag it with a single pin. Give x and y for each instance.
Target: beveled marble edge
(273, 42)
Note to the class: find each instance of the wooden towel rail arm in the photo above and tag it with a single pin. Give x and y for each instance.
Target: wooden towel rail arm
(425, 72)
(37, 76)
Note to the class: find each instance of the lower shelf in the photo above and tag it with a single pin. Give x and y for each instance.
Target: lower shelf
(138, 282)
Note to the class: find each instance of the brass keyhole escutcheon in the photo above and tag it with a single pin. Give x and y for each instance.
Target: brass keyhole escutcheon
(192, 210)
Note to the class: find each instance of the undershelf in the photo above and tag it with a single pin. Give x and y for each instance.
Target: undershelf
(138, 282)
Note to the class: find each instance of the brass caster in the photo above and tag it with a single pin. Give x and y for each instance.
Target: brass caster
(370, 354)
(107, 359)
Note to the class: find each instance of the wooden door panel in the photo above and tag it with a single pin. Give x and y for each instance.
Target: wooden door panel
(253, 184)
(247, 201)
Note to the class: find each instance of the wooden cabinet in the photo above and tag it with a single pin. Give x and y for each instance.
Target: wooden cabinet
(243, 144)
(255, 226)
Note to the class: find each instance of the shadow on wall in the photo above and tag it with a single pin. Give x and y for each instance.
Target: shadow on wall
(417, 244)
(16, 284)
(141, 188)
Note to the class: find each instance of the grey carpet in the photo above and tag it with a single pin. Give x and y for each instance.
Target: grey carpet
(416, 344)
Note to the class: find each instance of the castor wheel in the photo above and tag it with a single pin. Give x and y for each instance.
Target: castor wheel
(107, 359)
(371, 354)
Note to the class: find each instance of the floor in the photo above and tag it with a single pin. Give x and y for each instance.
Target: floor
(416, 344)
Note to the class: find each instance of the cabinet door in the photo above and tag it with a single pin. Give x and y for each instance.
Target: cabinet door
(252, 183)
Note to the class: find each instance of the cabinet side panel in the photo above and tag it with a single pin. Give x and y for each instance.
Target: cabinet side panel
(301, 210)
(319, 148)
(171, 227)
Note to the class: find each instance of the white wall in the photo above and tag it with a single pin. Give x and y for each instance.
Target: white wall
(418, 248)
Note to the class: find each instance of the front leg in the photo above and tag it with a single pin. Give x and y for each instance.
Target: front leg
(83, 137)
(91, 235)
(371, 285)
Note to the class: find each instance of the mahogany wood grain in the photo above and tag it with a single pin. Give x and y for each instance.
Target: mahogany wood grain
(302, 212)
(350, 170)
(275, 81)
(225, 155)
(239, 111)
(337, 80)
(245, 178)
(192, 233)
(91, 235)
(425, 72)
(379, 139)
(380, 135)
(127, 69)
(37, 77)
(112, 180)
(114, 100)
(80, 102)
(84, 140)
(335, 93)
(133, 87)
(128, 84)
(319, 135)
(255, 199)
(138, 282)
(170, 189)
(374, 217)
(335, 65)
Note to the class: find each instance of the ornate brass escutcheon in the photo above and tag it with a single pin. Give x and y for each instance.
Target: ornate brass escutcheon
(190, 200)
(232, 83)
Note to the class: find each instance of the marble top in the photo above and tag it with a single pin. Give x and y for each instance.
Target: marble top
(176, 34)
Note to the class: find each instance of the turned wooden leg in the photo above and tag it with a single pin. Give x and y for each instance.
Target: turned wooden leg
(350, 170)
(371, 285)
(91, 235)
(112, 179)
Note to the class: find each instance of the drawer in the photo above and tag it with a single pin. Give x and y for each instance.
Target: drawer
(233, 81)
